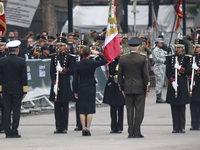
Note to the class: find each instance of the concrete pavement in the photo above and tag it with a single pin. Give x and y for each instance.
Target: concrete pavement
(37, 132)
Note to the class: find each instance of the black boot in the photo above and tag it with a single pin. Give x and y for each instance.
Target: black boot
(159, 99)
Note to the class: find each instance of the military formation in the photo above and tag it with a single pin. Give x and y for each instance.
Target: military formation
(128, 78)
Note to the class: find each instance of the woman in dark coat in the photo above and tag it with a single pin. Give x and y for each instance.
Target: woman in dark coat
(84, 86)
(113, 96)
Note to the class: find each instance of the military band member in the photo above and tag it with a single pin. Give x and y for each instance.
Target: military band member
(13, 87)
(184, 69)
(45, 52)
(61, 95)
(100, 41)
(2, 54)
(113, 96)
(133, 80)
(159, 68)
(195, 99)
(74, 46)
(37, 50)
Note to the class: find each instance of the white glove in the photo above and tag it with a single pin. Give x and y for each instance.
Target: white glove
(59, 68)
(55, 89)
(177, 66)
(174, 85)
(194, 66)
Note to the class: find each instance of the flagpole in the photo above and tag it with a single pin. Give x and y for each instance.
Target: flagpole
(172, 30)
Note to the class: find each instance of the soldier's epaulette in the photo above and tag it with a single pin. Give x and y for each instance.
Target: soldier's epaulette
(123, 55)
(72, 55)
(188, 55)
(143, 55)
(168, 55)
(52, 54)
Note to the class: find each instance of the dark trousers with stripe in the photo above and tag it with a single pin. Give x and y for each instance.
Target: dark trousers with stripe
(178, 116)
(135, 104)
(2, 116)
(117, 117)
(12, 103)
(195, 114)
(61, 115)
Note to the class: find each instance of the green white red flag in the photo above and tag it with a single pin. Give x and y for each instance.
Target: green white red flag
(3, 27)
(112, 41)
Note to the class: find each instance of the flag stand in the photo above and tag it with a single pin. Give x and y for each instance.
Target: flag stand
(172, 30)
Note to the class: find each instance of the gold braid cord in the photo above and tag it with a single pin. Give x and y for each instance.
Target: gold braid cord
(36, 53)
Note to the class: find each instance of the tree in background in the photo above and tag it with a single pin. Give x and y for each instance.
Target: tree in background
(193, 10)
(49, 17)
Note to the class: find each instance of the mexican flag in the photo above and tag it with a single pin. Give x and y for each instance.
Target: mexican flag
(2, 20)
(112, 42)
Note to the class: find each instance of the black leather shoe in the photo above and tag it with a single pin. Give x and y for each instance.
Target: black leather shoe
(175, 131)
(138, 136)
(84, 133)
(160, 101)
(88, 133)
(77, 129)
(192, 128)
(58, 131)
(2, 131)
(130, 136)
(182, 131)
(64, 131)
(16, 136)
(8, 136)
(119, 131)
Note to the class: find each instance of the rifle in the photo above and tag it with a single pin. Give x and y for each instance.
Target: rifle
(176, 74)
(192, 78)
(57, 75)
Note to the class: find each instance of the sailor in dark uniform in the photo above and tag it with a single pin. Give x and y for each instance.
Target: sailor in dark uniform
(37, 50)
(184, 70)
(61, 95)
(13, 87)
(45, 52)
(195, 99)
(2, 54)
(113, 96)
(51, 41)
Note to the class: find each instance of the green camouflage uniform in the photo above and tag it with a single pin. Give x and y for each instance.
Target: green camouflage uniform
(189, 45)
(125, 49)
(146, 52)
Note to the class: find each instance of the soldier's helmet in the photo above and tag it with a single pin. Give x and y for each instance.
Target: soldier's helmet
(61, 41)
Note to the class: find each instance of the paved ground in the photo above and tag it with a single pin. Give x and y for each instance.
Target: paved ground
(37, 132)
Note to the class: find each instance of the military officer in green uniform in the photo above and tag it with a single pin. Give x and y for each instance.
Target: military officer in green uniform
(124, 45)
(189, 40)
(133, 80)
(89, 37)
(144, 50)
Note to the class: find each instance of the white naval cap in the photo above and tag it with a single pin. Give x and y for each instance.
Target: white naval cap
(13, 44)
